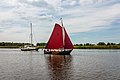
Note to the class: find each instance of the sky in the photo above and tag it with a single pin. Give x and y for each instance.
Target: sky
(86, 21)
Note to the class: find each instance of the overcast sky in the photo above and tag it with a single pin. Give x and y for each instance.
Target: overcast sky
(85, 20)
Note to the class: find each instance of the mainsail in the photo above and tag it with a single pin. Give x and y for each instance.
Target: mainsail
(56, 40)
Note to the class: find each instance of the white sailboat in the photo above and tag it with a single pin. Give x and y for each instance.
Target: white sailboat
(30, 47)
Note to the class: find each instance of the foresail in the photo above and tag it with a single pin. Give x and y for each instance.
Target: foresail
(56, 40)
(68, 43)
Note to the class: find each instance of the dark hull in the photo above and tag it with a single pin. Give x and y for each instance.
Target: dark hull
(36, 49)
(58, 52)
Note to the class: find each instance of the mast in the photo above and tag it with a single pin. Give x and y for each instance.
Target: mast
(63, 33)
(31, 33)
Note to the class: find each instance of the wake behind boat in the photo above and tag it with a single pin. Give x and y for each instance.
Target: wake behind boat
(30, 47)
(59, 42)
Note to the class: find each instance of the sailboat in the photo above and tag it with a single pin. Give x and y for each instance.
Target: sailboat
(30, 47)
(59, 42)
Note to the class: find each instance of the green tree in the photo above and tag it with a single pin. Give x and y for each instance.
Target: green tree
(101, 43)
(108, 44)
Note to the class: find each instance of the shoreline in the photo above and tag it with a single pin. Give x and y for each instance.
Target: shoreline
(98, 47)
(75, 47)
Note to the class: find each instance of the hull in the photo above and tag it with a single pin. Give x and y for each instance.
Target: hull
(67, 52)
(27, 49)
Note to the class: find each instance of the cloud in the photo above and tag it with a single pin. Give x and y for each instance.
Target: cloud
(90, 18)
(78, 16)
(87, 2)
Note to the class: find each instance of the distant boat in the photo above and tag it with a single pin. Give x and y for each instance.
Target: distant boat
(59, 41)
(30, 47)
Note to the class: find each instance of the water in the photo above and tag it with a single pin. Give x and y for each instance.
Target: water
(82, 64)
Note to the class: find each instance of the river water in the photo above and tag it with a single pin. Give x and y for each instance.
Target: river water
(82, 64)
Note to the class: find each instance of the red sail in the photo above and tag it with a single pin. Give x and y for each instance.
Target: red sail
(68, 43)
(56, 40)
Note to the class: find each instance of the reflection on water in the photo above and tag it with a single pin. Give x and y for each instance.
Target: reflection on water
(59, 66)
(80, 65)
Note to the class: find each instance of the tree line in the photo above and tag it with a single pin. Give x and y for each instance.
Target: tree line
(12, 44)
(43, 44)
(98, 44)
(18, 45)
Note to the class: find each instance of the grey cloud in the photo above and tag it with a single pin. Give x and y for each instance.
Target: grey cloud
(40, 3)
(5, 7)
